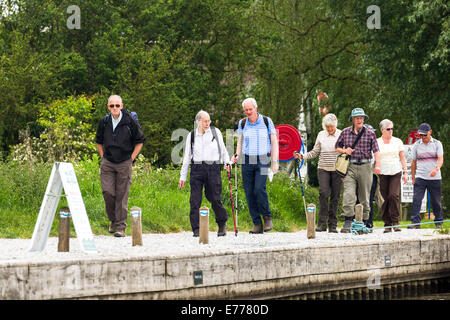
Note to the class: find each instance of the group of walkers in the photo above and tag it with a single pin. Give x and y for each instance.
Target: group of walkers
(373, 159)
(119, 139)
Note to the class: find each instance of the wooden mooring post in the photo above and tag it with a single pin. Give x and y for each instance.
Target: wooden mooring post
(359, 214)
(64, 230)
(136, 226)
(204, 225)
(311, 221)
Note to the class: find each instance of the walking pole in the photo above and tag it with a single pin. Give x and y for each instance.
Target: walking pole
(232, 204)
(301, 183)
(236, 193)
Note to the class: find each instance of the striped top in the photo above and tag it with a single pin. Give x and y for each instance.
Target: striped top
(256, 136)
(427, 157)
(325, 146)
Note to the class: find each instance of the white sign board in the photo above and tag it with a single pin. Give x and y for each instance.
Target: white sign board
(63, 177)
(408, 187)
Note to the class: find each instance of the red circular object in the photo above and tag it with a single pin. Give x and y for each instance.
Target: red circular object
(289, 140)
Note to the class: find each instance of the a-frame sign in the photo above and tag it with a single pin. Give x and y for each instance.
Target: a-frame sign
(63, 177)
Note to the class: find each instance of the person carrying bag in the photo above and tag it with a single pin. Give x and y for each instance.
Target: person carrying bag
(343, 160)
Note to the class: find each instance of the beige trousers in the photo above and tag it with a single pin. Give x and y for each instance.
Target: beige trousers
(361, 176)
(116, 182)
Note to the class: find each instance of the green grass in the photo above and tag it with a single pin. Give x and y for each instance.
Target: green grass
(165, 208)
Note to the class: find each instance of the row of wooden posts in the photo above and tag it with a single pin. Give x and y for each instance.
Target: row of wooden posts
(136, 225)
(64, 228)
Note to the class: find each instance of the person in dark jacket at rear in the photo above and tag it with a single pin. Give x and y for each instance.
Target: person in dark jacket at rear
(119, 140)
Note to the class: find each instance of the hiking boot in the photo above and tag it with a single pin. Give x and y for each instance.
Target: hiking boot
(332, 229)
(368, 224)
(397, 229)
(413, 227)
(111, 229)
(257, 228)
(119, 234)
(347, 225)
(222, 231)
(268, 224)
(321, 228)
(195, 233)
(387, 230)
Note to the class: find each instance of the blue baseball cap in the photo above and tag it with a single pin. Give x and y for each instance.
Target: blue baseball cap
(424, 128)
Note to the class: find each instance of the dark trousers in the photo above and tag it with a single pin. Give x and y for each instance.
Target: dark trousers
(208, 176)
(254, 179)
(329, 188)
(390, 190)
(435, 189)
(116, 181)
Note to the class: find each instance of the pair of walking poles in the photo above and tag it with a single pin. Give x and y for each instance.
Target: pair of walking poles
(235, 217)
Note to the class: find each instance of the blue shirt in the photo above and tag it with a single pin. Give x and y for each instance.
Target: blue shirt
(256, 136)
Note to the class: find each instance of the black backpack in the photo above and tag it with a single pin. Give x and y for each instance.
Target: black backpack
(133, 115)
(266, 122)
(214, 133)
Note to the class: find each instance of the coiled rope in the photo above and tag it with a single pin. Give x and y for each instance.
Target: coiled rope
(359, 226)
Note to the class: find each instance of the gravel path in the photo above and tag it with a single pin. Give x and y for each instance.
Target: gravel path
(13, 251)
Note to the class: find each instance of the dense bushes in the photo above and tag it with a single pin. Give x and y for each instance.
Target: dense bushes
(165, 207)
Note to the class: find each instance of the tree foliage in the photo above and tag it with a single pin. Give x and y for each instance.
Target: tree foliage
(170, 58)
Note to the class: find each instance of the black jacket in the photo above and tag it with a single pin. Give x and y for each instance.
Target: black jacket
(119, 145)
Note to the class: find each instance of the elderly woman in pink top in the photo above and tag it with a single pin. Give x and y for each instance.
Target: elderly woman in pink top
(392, 164)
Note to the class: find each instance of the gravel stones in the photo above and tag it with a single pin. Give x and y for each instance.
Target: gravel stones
(14, 251)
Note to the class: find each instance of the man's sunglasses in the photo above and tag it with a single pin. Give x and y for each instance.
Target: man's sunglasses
(114, 105)
(390, 129)
(423, 134)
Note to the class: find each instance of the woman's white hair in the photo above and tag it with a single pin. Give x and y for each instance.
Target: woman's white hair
(329, 120)
(253, 101)
(384, 123)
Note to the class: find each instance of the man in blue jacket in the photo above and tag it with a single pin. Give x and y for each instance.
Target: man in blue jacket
(119, 140)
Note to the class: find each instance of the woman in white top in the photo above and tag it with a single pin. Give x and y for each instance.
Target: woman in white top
(392, 163)
(329, 181)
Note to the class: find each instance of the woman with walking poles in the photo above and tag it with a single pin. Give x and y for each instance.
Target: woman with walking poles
(329, 181)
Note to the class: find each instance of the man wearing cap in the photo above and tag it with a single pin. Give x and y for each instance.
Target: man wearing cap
(360, 168)
(427, 160)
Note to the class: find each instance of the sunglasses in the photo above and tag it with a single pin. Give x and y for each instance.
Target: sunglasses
(423, 134)
(390, 129)
(114, 105)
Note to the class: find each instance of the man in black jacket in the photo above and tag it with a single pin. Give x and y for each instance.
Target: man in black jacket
(119, 140)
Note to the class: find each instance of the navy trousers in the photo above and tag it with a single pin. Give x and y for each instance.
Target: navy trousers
(208, 176)
(435, 189)
(254, 179)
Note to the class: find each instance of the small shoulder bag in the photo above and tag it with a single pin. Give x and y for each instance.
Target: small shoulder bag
(343, 160)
